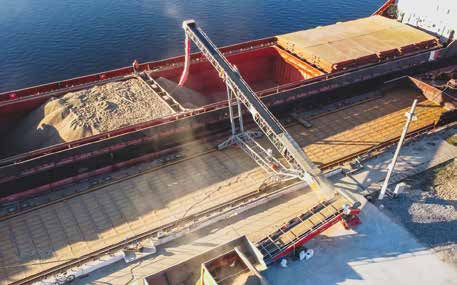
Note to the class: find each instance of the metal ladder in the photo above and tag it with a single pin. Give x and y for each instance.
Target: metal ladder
(155, 86)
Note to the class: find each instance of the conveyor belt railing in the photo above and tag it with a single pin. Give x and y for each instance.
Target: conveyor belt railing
(162, 93)
(303, 227)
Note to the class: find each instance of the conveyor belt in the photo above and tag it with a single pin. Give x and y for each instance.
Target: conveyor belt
(267, 123)
(40, 239)
(299, 227)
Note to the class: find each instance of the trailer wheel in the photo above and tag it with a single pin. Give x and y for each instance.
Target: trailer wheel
(298, 252)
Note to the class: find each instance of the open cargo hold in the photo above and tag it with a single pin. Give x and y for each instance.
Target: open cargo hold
(262, 69)
(85, 113)
(293, 78)
(355, 43)
(124, 103)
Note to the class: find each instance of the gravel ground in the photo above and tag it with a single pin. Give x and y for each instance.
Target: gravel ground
(428, 209)
(84, 113)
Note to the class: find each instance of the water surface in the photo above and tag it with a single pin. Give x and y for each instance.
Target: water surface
(49, 40)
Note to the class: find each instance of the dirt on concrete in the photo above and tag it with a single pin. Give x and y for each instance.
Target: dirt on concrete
(246, 278)
(452, 140)
(427, 207)
(87, 112)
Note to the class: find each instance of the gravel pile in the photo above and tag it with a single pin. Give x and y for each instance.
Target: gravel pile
(87, 112)
(428, 209)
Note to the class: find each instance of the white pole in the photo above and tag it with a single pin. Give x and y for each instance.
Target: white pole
(410, 116)
(232, 120)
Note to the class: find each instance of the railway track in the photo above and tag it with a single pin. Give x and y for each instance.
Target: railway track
(99, 220)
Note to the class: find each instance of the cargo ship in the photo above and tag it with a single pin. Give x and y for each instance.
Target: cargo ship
(296, 67)
(116, 165)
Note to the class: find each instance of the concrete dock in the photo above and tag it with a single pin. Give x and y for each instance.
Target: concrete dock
(377, 252)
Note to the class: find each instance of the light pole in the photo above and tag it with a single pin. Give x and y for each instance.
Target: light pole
(410, 116)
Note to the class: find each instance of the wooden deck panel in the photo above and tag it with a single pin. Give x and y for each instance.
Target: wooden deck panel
(331, 47)
(361, 127)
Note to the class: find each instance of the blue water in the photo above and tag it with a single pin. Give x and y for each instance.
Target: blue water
(48, 40)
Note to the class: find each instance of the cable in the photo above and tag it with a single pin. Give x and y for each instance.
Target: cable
(207, 196)
(132, 275)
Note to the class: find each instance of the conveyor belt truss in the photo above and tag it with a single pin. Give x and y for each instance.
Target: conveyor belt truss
(299, 164)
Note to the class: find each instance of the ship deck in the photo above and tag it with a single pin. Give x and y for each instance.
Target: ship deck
(65, 230)
(369, 40)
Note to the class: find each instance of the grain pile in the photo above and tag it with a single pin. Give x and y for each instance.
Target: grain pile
(87, 112)
(187, 97)
(427, 209)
